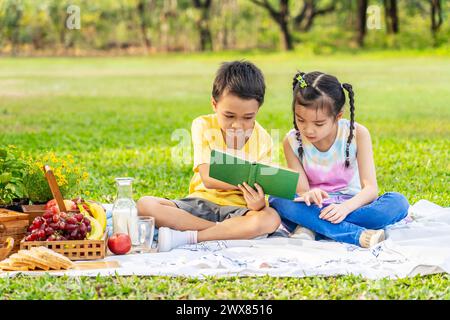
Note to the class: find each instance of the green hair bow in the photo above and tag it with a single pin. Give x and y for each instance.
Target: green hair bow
(301, 81)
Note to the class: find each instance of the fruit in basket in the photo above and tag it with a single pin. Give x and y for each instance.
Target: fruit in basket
(69, 204)
(98, 213)
(96, 231)
(59, 227)
(119, 243)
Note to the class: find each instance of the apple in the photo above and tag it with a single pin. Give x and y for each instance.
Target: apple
(119, 243)
(70, 205)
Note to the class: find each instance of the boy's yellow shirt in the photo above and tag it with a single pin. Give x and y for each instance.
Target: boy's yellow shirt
(206, 135)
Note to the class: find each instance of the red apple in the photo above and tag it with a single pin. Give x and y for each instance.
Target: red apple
(119, 243)
(70, 205)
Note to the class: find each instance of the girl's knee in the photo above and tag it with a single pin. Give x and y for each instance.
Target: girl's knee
(397, 201)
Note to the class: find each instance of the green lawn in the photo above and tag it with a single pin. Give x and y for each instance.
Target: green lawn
(116, 116)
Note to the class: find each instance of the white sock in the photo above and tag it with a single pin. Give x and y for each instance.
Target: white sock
(169, 239)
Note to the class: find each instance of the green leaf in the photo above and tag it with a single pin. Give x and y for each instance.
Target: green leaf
(5, 177)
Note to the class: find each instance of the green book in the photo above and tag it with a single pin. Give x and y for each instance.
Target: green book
(233, 170)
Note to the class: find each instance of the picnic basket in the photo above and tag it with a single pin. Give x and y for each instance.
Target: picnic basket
(72, 249)
(12, 225)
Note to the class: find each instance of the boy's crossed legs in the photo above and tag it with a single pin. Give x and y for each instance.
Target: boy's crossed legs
(167, 214)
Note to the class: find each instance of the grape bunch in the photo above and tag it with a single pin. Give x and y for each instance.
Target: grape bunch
(53, 226)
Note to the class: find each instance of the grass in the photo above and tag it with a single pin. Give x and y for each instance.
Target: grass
(116, 116)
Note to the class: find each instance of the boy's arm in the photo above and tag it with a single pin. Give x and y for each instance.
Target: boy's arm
(294, 164)
(202, 152)
(212, 183)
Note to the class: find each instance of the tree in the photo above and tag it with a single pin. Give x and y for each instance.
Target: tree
(361, 21)
(391, 14)
(436, 18)
(281, 17)
(305, 19)
(203, 24)
(142, 7)
(11, 24)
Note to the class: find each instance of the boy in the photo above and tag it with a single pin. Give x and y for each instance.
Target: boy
(215, 210)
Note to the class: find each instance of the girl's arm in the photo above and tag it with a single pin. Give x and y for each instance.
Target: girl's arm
(212, 183)
(366, 166)
(294, 163)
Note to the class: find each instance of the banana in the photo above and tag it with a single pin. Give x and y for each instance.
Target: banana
(98, 213)
(96, 228)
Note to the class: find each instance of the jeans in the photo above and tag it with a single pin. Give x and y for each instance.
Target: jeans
(387, 209)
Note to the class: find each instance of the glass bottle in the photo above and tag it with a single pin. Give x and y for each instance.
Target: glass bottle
(124, 211)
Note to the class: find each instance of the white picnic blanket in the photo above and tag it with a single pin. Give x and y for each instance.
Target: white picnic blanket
(419, 244)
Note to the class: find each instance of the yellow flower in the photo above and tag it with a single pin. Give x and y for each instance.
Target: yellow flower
(87, 193)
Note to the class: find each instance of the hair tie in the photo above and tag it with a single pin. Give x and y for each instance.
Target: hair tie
(301, 81)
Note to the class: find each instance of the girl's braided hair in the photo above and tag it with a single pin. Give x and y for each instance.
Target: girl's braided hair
(317, 89)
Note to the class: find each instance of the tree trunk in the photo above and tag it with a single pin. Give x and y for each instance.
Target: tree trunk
(436, 19)
(305, 19)
(203, 24)
(361, 21)
(282, 18)
(143, 24)
(283, 22)
(391, 14)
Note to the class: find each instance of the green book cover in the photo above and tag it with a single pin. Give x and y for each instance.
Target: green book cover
(233, 170)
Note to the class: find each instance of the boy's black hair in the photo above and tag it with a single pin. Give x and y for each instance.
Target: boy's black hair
(323, 89)
(240, 78)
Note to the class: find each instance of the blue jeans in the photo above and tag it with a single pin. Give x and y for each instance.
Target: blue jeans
(389, 208)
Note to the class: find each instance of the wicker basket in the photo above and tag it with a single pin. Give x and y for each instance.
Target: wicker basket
(73, 249)
(13, 224)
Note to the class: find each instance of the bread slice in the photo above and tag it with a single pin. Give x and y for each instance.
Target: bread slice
(27, 256)
(6, 265)
(53, 257)
(17, 261)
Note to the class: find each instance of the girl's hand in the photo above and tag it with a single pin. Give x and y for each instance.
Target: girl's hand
(256, 200)
(335, 213)
(315, 195)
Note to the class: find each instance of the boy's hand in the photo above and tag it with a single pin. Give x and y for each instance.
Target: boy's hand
(315, 195)
(255, 199)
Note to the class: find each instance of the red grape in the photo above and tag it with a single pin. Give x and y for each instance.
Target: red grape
(49, 231)
(79, 217)
(72, 220)
(41, 234)
(54, 225)
(55, 218)
(37, 223)
(71, 227)
(47, 215)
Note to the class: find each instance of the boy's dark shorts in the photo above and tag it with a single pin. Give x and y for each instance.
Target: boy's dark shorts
(209, 210)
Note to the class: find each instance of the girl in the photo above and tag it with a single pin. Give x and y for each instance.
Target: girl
(337, 185)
